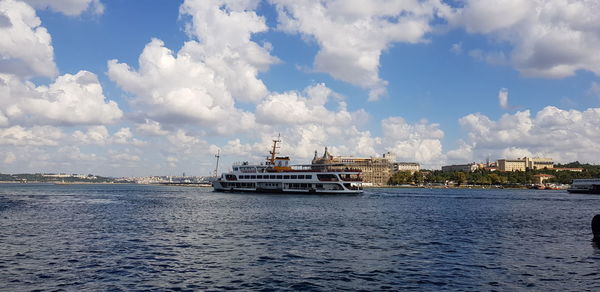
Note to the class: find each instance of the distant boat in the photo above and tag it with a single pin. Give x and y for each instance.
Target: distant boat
(275, 176)
(585, 186)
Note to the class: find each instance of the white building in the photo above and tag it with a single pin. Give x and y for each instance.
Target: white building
(461, 167)
(406, 166)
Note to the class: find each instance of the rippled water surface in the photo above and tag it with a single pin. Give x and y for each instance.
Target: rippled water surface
(132, 237)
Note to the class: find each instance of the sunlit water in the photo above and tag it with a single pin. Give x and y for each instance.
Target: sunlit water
(131, 237)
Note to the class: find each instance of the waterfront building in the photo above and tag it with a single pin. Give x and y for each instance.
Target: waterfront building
(525, 163)
(538, 163)
(540, 178)
(406, 166)
(375, 170)
(461, 167)
(511, 165)
(573, 169)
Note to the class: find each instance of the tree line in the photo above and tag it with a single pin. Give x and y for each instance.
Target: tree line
(486, 177)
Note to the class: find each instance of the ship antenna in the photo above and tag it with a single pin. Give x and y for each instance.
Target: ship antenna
(273, 152)
(217, 167)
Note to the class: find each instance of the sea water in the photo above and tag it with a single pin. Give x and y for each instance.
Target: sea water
(138, 237)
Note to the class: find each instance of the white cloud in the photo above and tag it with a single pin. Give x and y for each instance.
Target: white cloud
(177, 89)
(456, 48)
(564, 135)
(125, 157)
(460, 155)
(10, 158)
(151, 128)
(70, 100)
(302, 108)
(482, 16)
(419, 142)
(551, 39)
(25, 46)
(95, 135)
(36, 136)
(72, 155)
(224, 30)
(172, 161)
(503, 98)
(125, 137)
(353, 34)
(235, 147)
(69, 7)
(99, 135)
(182, 143)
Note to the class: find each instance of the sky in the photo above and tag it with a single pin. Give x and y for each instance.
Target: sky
(137, 88)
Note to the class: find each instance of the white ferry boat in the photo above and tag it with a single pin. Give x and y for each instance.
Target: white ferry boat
(585, 186)
(276, 176)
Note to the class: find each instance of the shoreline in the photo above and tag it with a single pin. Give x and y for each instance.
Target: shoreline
(201, 185)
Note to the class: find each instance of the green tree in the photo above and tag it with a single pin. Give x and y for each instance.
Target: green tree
(418, 177)
(460, 178)
(400, 177)
(497, 179)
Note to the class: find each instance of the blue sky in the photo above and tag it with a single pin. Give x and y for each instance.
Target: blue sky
(157, 87)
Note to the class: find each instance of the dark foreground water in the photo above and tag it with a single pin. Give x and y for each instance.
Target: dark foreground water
(130, 237)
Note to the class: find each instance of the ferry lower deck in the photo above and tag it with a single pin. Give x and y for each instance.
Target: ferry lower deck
(322, 183)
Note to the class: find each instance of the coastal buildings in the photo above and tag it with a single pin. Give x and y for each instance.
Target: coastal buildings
(461, 167)
(406, 166)
(519, 164)
(540, 178)
(522, 164)
(66, 175)
(572, 169)
(375, 170)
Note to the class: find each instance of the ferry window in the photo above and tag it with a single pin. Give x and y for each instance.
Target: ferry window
(279, 177)
(235, 169)
(301, 177)
(327, 177)
(294, 176)
(286, 177)
(259, 176)
(253, 177)
(308, 176)
(272, 176)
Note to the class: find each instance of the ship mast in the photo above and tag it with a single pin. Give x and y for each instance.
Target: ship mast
(217, 167)
(273, 152)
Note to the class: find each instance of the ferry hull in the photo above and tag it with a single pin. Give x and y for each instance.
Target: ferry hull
(580, 191)
(585, 186)
(217, 187)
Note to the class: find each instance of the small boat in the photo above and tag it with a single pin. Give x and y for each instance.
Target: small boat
(585, 186)
(276, 176)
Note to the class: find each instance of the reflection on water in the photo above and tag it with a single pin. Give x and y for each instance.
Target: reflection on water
(125, 237)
